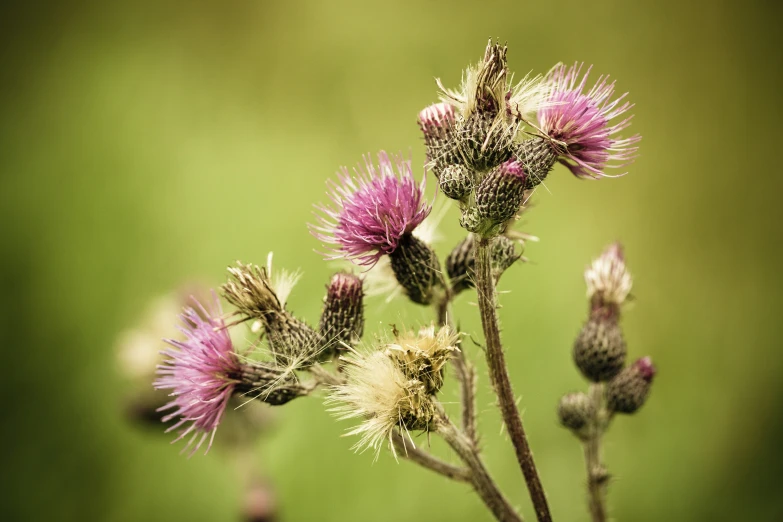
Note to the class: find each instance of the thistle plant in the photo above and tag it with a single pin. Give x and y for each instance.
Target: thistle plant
(489, 144)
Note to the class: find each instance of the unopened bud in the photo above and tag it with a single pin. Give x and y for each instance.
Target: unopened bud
(575, 411)
(482, 143)
(342, 319)
(470, 219)
(455, 181)
(437, 125)
(599, 350)
(416, 268)
(628, 391)
(501, 193)
(538, 156)
(460, 264)
(291, 341)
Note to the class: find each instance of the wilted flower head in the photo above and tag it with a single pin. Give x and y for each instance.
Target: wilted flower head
(378, 392)
(202, 372)
(608, 280)
(372, 210)
(250, 289)
(488, 87)
(581, 122)
(422, 355)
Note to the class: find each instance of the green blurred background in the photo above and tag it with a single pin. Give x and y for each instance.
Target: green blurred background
(151, 144)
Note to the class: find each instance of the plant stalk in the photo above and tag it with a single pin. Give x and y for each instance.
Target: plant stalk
(485, 288)
(596, 473)
(480, 478)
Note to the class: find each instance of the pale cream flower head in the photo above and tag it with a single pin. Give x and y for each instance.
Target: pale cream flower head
(608, 279)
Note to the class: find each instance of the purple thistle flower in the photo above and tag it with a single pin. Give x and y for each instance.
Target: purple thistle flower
(581, 121)
(202, 373)
(372, 210)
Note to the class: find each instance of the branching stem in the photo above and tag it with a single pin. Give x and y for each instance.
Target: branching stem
(480, 479)
(485, 288)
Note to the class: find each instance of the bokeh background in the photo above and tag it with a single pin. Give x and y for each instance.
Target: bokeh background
(149, 144)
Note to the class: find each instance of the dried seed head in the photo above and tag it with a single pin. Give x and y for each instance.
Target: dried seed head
(599, 349)
(379, 393)
(501, 193)
(490, 109)
(455, 181)
(575, 411)
(628, 391)
(460, 264)
(291, 341)
(342, 319)
(417, 268)
(250, 290)
(422, 355)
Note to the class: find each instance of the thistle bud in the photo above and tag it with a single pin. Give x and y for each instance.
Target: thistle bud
(455, 181)
(470, 219)
(575, 411)
(501, 193)
(482, 143)
(416, 268)
(460, 264)
(538, 156)
(342, 319)
(437, 125)
(599, 349)
(628, 391)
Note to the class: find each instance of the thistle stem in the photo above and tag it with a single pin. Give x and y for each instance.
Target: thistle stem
(596, 473)
(498, 373)
(429, 461)
(466, 374)
(479, 478)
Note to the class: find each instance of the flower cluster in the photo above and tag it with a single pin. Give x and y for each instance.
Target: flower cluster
(489, 143)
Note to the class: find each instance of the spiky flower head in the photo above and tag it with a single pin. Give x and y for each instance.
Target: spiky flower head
(202, 372)
(372, 209)
(379, 393)
(249, 288)
(608, 280)
(628, 392)
(342, 319)
(422, 355)
(581, 122)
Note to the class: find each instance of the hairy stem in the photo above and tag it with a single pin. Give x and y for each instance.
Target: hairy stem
(427, 460)
(498, 373)
(596, 473)
(480, 478)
